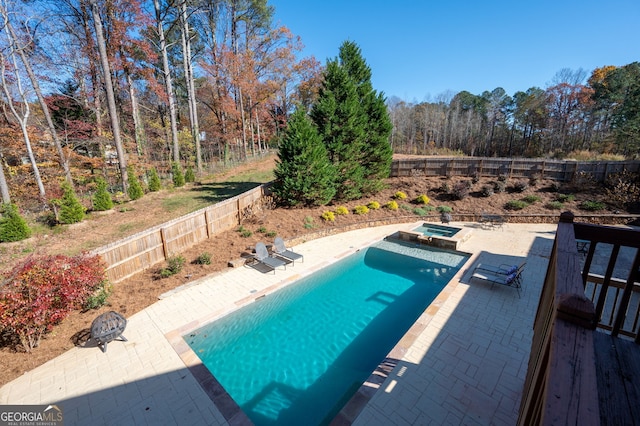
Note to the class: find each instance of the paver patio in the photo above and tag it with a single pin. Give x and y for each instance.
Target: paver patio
(466, 365)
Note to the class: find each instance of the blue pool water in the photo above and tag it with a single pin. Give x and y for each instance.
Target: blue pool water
(299, 354)
(430, 230)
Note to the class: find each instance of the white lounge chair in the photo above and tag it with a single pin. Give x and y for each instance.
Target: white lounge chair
(280, 249)
(263, 258)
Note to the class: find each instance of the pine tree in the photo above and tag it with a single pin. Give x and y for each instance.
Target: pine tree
(304, 174)
(154, 180)
(135, 189)
(341, 125)
(377, 152)
(13, 227)
(178, 177)
(71, 211)
(102, 199)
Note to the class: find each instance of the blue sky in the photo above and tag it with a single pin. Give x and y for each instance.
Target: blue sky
(421, 49)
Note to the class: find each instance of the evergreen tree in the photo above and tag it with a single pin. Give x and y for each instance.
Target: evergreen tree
(304, 174)
(135, 189)
(377, 153)
(13, 227)
(341, 125)
(189, 175)
(178, 177)
(71, 211)
(154, 180)
(102, 199)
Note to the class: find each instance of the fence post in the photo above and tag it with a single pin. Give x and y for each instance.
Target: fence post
(207, 222)
(163, 238)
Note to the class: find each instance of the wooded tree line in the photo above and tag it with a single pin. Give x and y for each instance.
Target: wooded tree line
(114, 84)
(113, 88)
(601, 115)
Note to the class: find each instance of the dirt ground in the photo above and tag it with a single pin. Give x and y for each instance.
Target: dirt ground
(142, 290)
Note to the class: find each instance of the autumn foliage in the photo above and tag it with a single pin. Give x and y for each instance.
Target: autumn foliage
(41, 291)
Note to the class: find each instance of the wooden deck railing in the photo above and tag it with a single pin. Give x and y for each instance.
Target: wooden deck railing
(561, 384)
(616, 299)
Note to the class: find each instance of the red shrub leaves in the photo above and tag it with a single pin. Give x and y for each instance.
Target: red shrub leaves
(41, 291)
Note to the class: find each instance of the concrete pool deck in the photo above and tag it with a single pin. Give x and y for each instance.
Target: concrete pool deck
(464, 364)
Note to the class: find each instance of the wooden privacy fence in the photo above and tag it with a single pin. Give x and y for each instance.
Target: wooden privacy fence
(559, 170)
(140, 251)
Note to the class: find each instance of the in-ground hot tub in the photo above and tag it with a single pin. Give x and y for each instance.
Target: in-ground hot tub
(446, 237)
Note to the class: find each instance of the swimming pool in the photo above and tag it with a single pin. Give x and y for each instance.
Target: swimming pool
(300, 353)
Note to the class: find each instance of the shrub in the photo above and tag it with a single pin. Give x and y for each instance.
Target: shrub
(502, 177)
(592, 205)
(154, 180)
(419, 211)
(174, 266)
(102, 198)
(374, 205)
(399, 195)
(475, 178)
(135, 189)
(520, 186)
(71, 211)
(533, 180)
(392, 205)
(13, 227)
(583, 181)
(40, 292)
(445, 188)
(623, 188)
(554, 186)
(361, 210)
(486, 191)
(565, 198)
(422, 199)
(342, 210)
(189, 175)
(554, 205)
(515, 205)
(99, 296)
(244, 232)
(261, 230)
(308, 222)
(460, 190)
(271, 233)
(178, 177)
(328, 216)
(203, 259)
(530, 199)
(405, 207)
(499, 187)
(444, 209)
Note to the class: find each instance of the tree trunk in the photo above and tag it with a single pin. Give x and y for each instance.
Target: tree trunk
(111, 101)
(21, 118)
(135, 114)
(191, 91)
(4, 187)
(36, 86)
(167, 82)
(93, 70)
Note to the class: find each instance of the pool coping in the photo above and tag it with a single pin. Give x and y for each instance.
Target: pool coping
(232, 412)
